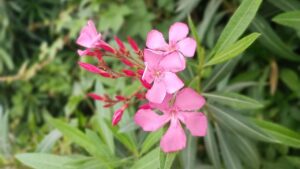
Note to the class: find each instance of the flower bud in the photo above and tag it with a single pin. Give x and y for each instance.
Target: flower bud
(145, 84)
(120, 44)
(107, 47)
(129, 73)
(118, 115)
(120, 98)
(145, 106)
(95, 96)
(127, 62)
(133, 44)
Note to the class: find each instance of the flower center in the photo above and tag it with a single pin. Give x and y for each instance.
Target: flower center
(173, 112)
(172, 47)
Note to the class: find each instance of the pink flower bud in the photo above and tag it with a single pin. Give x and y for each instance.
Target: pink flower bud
(118, 115)
(127, 62)
(95, 96)
(120, 44)
(120, 98)
(107, 47)
(129, 73)
(89, 67)
(145, 84)
(145, 106)
(140, 72)
(133, 44)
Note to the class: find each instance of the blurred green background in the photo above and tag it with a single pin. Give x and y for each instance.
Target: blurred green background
(39, 76)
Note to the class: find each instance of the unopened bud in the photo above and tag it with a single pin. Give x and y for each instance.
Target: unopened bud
(120, 98)
(118, 115)
(145, 84)
(133, 44)
(129, 73)
(95, 96)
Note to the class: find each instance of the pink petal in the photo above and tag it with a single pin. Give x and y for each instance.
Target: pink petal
(155, 40)
(174, 139)
(89, 67)
(147, 75)
(151, 58)
(164, 106)
(196, 123)
(157, 92)
(177, 32)
(88, 35)
(172, 82)
(86, 52)
(173, 62)
(187, 47)
(188, 99)
(149, 120)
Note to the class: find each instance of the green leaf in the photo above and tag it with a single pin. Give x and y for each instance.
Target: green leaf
(238, 124)
(219, 72)
(111, 19)
(72, 133)
(102, 115)
(272, 41)
(285, 5)
(46, 161)
(148, 161)
(212, 146)
(189, 154)
(280, 133)
(209, 13)
(151, 140)
(168, 161)
(5, 147)
(246, 149)
(290, 19)
(290, 79)
(230, 159)
(124, 138)
(185, 7)
(294, 160)
(237, 24)
(234, 100)
(233, 50)
(48, 142)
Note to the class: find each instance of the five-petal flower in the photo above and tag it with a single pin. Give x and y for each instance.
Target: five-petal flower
(161, 73)
(179, 44)
(182, 110)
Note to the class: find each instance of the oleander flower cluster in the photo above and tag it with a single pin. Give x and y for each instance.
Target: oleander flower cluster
(165, 100)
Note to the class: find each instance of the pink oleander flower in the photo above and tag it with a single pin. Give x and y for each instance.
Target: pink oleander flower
(160, 71)
(179, 44)
(89, 36)
(183, 110)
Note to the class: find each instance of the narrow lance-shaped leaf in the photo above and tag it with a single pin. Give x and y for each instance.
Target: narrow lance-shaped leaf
(290, 19)
(168, 161)
(233, 50)
(285, 5)
(238, 124)
(219, 72)
(148, 161)
(151, 140)
(234, 100)
(212, 146)
(230, 159)
(46, 161)
(272, 41)
(237, 24)
(280, 133)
